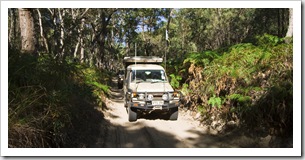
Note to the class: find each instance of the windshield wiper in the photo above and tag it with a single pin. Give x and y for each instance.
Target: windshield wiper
(139, 81)
(156, 81)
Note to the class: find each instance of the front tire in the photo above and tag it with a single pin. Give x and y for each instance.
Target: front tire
(132, 116)
(173, 116)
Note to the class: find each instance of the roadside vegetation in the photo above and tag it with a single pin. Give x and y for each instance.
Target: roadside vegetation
(247, 85)
(53, 104)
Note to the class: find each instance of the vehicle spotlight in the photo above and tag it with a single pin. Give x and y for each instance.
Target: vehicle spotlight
(165, 97)
(150, 97)
(141, 96)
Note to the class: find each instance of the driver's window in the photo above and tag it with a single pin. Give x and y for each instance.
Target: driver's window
(136, 74)
(132, 75)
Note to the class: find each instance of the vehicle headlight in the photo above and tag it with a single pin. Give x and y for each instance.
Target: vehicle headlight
(141, 96)
(150, 97)
(165, 97)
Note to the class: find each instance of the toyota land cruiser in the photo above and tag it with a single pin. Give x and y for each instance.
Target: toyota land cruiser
(147, 89)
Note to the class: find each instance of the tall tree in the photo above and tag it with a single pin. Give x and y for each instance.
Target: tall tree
(28, 40)
(290, 27)
(42, 34)
(101, 30)
(12, 28)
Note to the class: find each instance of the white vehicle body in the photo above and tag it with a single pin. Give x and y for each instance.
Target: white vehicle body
(147, 89)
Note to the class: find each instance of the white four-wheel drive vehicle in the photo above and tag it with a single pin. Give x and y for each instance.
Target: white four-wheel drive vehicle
(147, 89)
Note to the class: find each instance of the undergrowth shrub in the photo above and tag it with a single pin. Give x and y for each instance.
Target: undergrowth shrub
(251, 83)
(201, 58)
(215, 101)
(52, 103)
(175, 80)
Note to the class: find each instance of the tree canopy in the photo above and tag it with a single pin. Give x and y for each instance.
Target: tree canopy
(98, 36)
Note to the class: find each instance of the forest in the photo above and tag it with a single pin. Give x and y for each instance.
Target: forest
(233, 65)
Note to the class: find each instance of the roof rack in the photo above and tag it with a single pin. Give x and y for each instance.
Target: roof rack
(142, 60)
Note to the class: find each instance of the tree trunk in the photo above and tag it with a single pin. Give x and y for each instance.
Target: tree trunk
(290, 27)
(42, 32)
(76, 48)
(28, 40)
(62, 33)
(168, 23)
(82, 45)
(82, 50)
(12, 33)
(283, 22)
(278, 22)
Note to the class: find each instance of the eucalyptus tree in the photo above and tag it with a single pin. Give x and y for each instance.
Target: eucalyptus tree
(212, 28)
(290, 27)
(28, 39)
(273, 21)
(13, 28)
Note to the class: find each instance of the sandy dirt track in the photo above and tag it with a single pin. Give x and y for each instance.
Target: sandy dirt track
(152, 131)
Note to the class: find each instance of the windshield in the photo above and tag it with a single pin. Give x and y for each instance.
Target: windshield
(148, 76)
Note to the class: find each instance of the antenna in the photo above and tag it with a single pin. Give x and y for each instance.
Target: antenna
(165, 61)
(135, 62)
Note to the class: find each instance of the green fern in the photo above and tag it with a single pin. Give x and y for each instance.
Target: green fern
(215, 101)
(175, 80)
